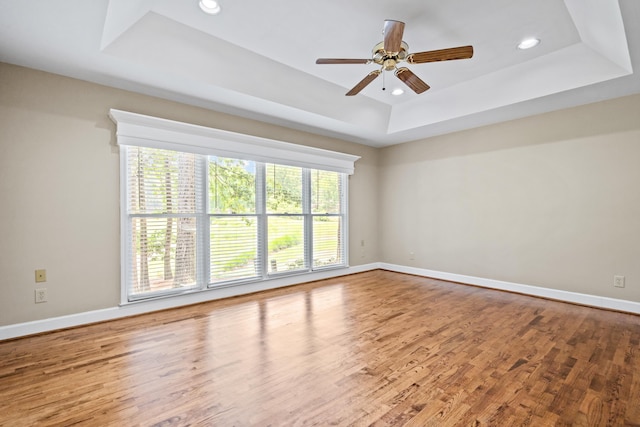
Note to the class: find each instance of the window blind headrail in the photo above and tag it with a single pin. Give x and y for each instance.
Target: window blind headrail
(153, 132)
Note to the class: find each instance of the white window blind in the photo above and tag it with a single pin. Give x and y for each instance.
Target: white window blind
(233, 220)
(327, 205)
(161, 221)
(285, 220)
(199, 218)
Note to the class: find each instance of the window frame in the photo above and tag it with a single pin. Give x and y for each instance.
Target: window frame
(145, 131)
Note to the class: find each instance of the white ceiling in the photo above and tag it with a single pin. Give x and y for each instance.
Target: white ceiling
(257, 58)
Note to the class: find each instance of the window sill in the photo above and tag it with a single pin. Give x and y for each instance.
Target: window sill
(253, 285)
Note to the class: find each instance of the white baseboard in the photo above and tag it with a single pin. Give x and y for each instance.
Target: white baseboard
(84, 318)
(141, 307)
(555, 294)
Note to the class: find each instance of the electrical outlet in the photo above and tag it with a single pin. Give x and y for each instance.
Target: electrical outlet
(412, 256)
(41, 295)
(618, 281)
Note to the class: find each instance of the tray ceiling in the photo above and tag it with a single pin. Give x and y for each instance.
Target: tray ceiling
(257, 59)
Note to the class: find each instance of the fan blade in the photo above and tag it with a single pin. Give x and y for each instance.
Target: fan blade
(411, 80)
(393, 31)
(341, 61)
(363, 83)
(462, 52)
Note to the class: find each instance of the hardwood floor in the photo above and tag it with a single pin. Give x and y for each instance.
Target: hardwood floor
(376, 348)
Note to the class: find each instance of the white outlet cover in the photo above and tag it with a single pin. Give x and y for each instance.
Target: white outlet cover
(41, 295)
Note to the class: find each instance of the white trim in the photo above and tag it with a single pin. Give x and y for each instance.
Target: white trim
(141, 307)
(125, 230)
(555, 294)
(153, 132)
(345, 218)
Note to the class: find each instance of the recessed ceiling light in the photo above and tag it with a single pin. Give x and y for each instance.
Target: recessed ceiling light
(397, 91)
(209, 6)
(528, 43)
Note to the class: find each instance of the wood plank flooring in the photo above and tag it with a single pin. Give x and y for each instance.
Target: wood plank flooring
(376, 348)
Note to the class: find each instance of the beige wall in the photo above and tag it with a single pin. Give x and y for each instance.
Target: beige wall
(59, 188)
(551, 200)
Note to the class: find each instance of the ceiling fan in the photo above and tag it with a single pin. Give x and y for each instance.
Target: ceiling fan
(393, 50)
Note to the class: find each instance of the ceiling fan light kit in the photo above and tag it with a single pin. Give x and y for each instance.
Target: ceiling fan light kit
(393, 50)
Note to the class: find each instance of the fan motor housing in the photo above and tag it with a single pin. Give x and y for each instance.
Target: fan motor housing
(388, 60)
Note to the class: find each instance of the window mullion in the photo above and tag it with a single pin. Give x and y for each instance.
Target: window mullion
(261, 211)
(344, 207)
(203, 261)
(308, 223)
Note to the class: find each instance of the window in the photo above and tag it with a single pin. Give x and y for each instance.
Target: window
(233, 220)
(162, 224)
(226, 220)
(195, 218)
